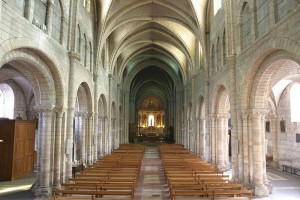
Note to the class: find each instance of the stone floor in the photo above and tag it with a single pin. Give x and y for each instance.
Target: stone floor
(152, 184)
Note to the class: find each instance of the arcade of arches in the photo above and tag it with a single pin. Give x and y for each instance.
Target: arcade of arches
(220, 77)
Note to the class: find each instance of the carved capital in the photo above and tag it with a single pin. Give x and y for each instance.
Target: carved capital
(74, 55)
(257, 113)
(81, 114)
(245, 114)
(95, 77)
(231, 59)
(44, 108)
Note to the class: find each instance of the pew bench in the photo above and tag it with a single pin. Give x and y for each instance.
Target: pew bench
(91, 193)
(213, 194)
(97, 186)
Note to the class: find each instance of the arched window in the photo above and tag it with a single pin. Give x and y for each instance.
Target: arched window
(85, 51)
(40, 10)
(224, 45)
(151, 120)
(91, 57)
(295, 99)
(284, 7)
(18, 6)
(262, 17)
(56, 24)
(246, 26)
(217, 6)
(7, 101)
(212, 59)
(78, 39)
(219, 56)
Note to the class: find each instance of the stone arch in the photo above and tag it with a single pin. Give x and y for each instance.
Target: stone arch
(219, 133)
(220, 103)
(114, 135)
(84, 97)
(201, 129)
(42, 61)
(270, 64)
(83, 109)
(270, 51)
(57, 21)
(103, 125)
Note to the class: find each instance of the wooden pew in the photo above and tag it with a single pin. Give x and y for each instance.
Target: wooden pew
(211, 186)
(98, 186)
(91, 193)
(213, 194)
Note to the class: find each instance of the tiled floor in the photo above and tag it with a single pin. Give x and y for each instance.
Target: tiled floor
(152, 185)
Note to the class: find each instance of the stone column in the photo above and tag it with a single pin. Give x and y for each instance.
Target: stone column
(266, 182)
(82, 137)
(260, 188)
(45, 122)
(57, 150)
(275, 134)
(126, 117)
(95, 137)
(28, 10)
(49, 16)
(202, 137)
(220, 142)
(90, 145)
(197, 136)
(63, 148)
(100, 137)
(104, 135)
(213, 140)
(245, 143)
(69, 142)
(74, 62)
(178, 129)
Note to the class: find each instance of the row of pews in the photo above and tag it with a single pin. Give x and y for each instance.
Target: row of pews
(190, 177)
(113, 177)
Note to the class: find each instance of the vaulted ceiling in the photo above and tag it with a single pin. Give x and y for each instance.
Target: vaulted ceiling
(164, 35)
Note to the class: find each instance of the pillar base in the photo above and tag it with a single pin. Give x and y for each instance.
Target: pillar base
(275, 164)
(43, 192)
(261, 191)
(269, 186)
(224, 167)
(58, 187)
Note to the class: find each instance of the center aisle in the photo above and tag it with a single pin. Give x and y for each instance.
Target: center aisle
(151, 184)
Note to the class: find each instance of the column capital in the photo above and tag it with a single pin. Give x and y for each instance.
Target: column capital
(257, 113)
(211, 117)
(90, 114)
(70, 109)
(50, 3)
(81, 114)
(74, 55)
(95, 77)
(230, 59)
(222, 116)
(44, 108)
(244, 114)
(60, 109)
